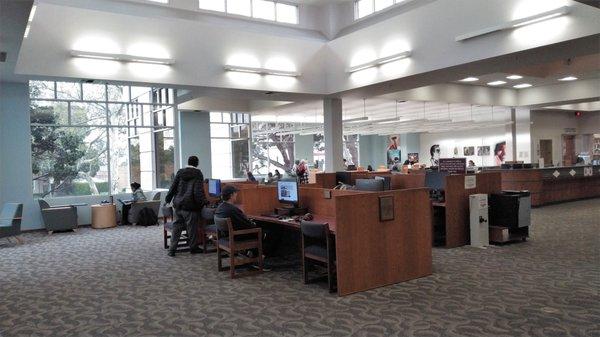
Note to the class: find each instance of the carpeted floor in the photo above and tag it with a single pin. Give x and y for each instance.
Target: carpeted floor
(120, 282)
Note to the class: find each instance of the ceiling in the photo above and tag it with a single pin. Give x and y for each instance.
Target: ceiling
(13, 19)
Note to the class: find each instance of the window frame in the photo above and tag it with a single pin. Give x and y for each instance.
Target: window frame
(226, 13)
(396, 3)
(134, 120)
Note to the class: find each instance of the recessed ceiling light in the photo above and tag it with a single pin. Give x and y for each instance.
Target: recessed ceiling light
(568, 78)
(497, 83)
(522, 86)
(469, 79)
(514, 77)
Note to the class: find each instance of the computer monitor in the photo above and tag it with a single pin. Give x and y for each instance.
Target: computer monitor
(374, 185)
(435, 180)
(351, 167)
(214, 187)
(287, 192)
(387, 182)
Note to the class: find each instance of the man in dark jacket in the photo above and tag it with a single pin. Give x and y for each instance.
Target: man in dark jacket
(187, 194)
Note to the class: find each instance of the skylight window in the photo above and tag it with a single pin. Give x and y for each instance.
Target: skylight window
(263, 9)
(213, 5)
(364, 8)
(260, 9)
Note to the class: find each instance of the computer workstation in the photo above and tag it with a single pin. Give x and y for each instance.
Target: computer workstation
(371, 251)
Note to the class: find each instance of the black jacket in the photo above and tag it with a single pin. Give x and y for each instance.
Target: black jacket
(187, 190)
(239, 220)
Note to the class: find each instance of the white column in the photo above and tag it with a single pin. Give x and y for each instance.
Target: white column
(333, 133)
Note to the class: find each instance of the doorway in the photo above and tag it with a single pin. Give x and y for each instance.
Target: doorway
(546, 151)
(568, 150)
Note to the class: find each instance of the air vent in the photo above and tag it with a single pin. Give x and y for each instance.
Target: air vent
(2, 56)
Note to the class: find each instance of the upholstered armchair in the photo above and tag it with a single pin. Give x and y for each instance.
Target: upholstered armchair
(10, 221)
(137, 207)
(58, 218)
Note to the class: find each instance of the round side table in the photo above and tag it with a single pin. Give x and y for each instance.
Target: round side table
(104, 216)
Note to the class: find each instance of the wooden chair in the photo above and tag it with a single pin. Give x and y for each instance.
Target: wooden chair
(318, 248)
(227, 242)
(204, 231)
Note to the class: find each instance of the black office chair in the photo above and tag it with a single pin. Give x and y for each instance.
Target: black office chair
(226, 242)
(318, 248)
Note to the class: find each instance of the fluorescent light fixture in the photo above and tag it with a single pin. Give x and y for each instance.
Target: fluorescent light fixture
(568, 78)
(496, 83)
(261, 71)
(470, 79)
(379, 61)
(32, 13)
(522, 86)
(121, 57)
(160, 1)
(517, 23)
(354, 120)
(514, 77)
(27, 31)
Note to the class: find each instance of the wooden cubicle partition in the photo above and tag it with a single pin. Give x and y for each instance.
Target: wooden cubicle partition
(325, 180)
(370, 253)
(404, 181)
(373, 253)
(457, 204)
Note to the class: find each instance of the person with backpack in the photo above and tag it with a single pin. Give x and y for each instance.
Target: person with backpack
(187, 194)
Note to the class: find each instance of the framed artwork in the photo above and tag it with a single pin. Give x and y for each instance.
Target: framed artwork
(386, 208)
(483, 150)
(469, 151)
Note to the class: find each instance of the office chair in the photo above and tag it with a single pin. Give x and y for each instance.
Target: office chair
(318, 248)
(227, 242)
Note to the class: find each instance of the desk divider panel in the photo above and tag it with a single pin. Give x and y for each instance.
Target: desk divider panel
(457, 204)
(373, 253)
(326, 180)
(404, 181)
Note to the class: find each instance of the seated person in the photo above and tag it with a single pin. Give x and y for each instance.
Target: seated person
(250, 176)
(370, 168)
(239, 220)
(277, 175)
(136, 195)
(270, 179)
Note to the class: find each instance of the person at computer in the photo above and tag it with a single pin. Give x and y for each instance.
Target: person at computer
(187, 195)
(239, 220)
(277, 175)
(136, 195)
(370, 168)
(270, 179)
(250, 176)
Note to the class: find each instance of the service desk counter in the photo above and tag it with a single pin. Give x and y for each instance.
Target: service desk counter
(554, 184)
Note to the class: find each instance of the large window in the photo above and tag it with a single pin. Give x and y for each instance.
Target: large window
(89, 139)
(229, 144)
(364, 8)
(258, 9)
(272, 151)
(351, 149)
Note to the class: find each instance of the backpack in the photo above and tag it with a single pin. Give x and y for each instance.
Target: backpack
(147, 217)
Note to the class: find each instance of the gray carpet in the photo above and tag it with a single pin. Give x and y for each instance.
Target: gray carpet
(120, 282)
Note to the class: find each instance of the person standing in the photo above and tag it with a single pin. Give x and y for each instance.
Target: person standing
(187, 194)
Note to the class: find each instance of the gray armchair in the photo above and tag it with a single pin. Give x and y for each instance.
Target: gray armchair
(58, 218)
(137, 207)
(10, 221)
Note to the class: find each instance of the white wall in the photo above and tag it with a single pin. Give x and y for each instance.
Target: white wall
(450, 140)
(552, 124)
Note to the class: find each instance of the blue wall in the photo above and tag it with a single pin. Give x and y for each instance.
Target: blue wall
(194, 137)
(15, 153)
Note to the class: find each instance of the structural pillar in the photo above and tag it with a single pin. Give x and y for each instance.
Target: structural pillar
(513, 133)
(333, 134)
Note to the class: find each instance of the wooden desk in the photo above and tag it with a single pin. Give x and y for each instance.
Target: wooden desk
(293, 224)
(370, 253)
(546, 187)
(104, 216)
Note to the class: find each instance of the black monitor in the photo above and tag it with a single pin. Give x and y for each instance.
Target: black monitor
(342, 177)
(435, 180)
(214, 187)
(351, 167)
(287, 192)
(387, 182)
(374, 185)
